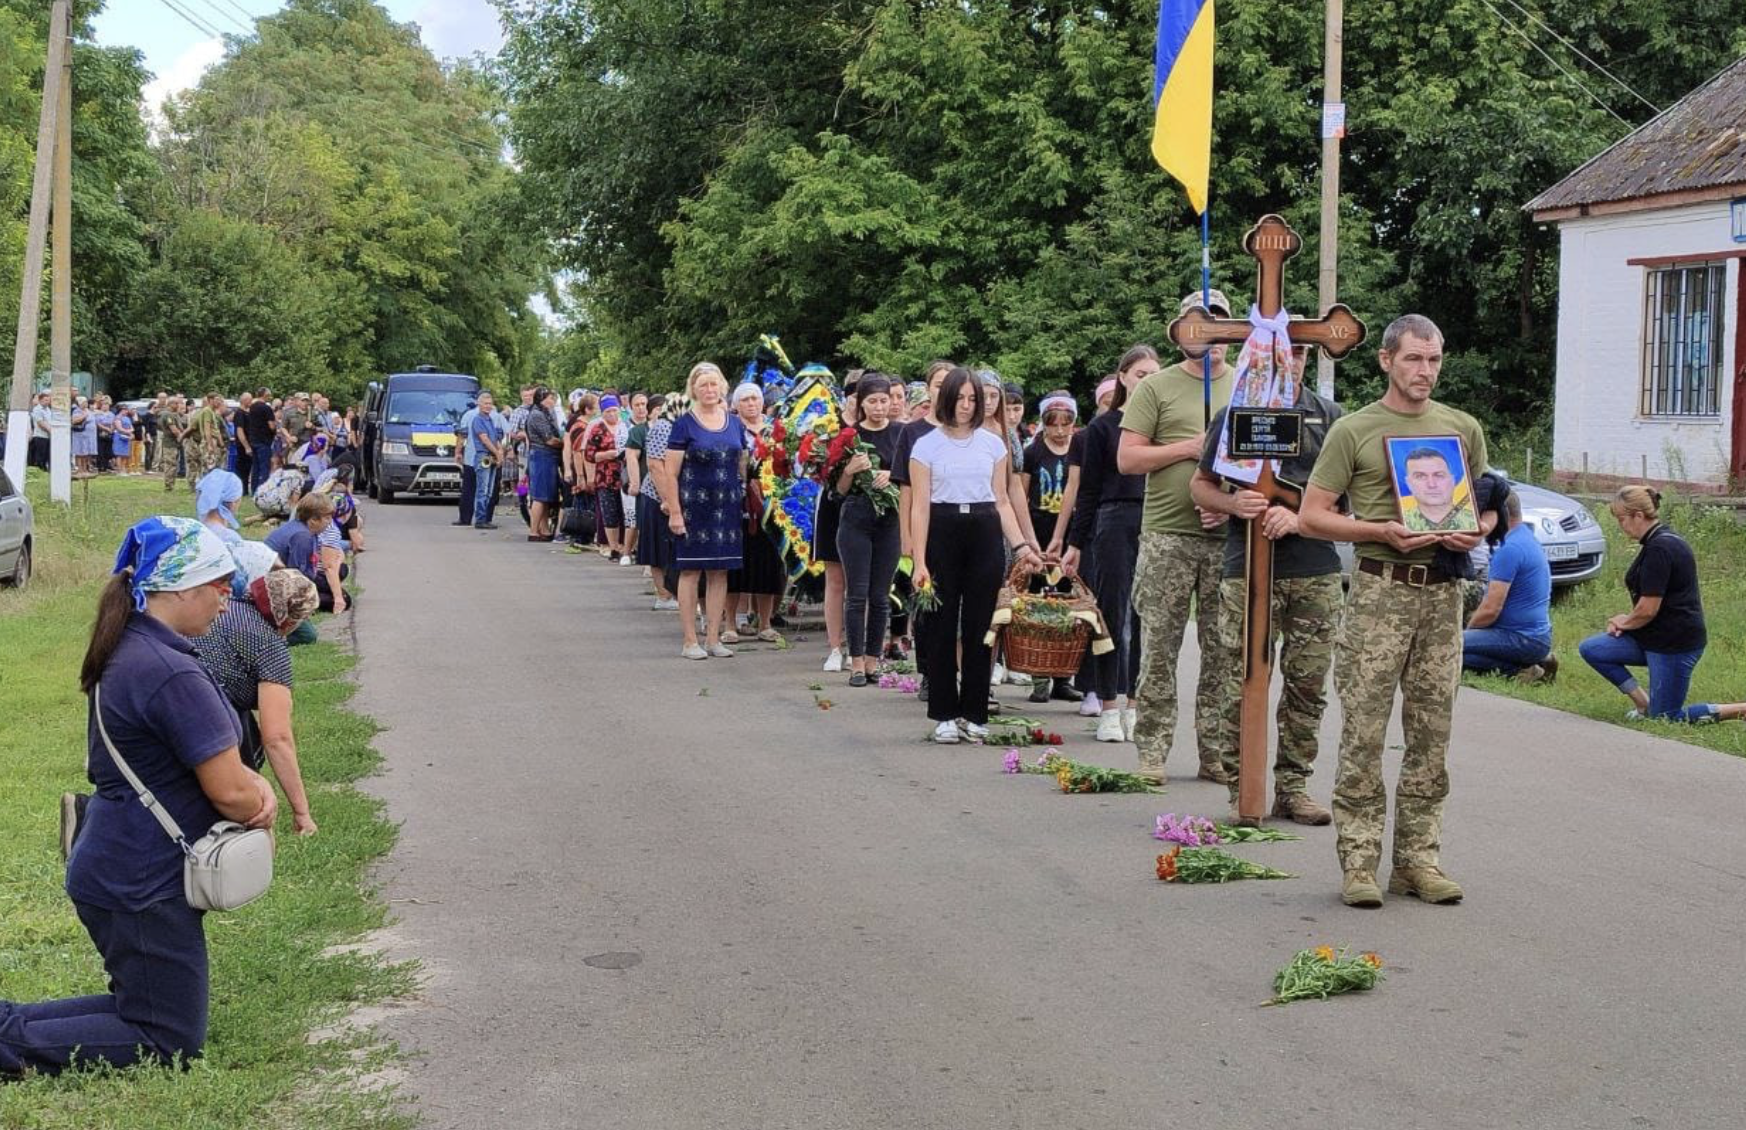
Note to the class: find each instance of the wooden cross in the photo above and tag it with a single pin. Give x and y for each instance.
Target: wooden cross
(1271, 242)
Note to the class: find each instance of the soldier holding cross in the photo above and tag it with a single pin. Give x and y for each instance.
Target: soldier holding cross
(1402, 624)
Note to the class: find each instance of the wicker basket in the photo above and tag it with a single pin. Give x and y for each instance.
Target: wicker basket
(1045, 653)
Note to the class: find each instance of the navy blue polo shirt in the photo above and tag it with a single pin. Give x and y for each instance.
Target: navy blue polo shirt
(296, 547)
(166, 715)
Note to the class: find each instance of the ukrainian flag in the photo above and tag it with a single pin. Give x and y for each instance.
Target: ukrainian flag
(1182, 89)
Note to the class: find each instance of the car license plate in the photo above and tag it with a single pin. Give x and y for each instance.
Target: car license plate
(445, 481)
(1564, 552)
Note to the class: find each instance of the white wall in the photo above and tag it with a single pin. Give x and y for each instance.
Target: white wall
(1600, 347)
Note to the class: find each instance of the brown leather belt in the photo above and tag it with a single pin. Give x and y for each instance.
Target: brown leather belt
(1416, 575)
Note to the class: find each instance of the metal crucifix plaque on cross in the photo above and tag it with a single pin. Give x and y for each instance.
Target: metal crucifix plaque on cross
(1265, 433)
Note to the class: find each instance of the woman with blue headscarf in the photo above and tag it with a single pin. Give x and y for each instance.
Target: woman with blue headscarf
(172, 724)
(215, 499)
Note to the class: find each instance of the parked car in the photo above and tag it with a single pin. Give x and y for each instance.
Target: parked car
(1573, 542)
(412, 442)
(17, 534)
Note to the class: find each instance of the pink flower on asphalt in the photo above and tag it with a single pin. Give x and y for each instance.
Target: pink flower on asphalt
(1010, 763)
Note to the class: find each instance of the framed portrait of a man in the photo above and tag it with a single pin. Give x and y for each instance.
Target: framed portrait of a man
(1432, 486)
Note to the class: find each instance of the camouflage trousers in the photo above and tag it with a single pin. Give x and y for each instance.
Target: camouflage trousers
(200, 460)
(1395, 634)
(1176, 574)
(169, 455)
(1306, 614)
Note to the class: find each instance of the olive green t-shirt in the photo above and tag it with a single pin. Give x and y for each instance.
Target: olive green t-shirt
(1354, 462)
(1166, 407)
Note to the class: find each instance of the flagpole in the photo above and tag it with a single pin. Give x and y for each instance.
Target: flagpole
(1206, 301)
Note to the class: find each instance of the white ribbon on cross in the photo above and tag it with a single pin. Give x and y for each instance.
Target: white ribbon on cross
(1266, 378)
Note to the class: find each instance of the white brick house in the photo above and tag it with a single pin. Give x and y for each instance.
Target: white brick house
(1651, 361)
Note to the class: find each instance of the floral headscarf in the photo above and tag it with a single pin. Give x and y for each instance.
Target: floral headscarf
(284, 597)
(171, 554)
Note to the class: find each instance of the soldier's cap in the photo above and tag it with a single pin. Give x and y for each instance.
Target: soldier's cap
(1213, 299)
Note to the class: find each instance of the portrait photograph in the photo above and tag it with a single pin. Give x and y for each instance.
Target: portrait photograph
(1432, 487)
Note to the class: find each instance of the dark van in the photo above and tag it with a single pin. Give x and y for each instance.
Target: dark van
(412, 427)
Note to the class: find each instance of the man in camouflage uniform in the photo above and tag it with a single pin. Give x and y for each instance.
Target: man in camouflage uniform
(1432, 484)
(204, 443)
(172, 427)
(1402, 625)
(1163, 432)
(1306, 609)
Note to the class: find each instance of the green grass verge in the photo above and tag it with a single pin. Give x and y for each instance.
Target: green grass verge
(271, 984)
(1719, 541)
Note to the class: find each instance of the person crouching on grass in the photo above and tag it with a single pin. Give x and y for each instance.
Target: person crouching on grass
(171, 723)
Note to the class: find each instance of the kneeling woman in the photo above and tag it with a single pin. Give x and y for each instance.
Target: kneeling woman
(959, 514)
(1664, 630)
(171, 723)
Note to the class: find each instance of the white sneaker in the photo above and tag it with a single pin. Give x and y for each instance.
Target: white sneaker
(834, 661)
(693, 651)
(730, 636)
(1017, 679)
(646, 573)
(720, 652)
(625, 560)
(1090, 707)
(1109, 727)
(665, 606)
(998, 675)
(973, 732)
(946, 733)
(1129, 715)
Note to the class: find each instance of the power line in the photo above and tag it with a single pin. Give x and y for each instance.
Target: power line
(246, 15)
(193, 21)
(1568, 73)
(221, 14)
(1579, 52)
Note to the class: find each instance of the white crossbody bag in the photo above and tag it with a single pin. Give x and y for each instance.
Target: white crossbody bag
(229, 867)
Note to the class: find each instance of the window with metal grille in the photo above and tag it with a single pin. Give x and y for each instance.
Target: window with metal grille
(1682, 349)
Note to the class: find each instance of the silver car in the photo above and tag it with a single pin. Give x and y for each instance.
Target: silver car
(17, 534)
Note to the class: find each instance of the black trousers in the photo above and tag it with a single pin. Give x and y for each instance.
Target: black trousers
(867, 542)
(967, 562)
(1116, 550)
(469, 488)
(37, 452)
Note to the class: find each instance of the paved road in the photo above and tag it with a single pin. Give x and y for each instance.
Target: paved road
(644, 906)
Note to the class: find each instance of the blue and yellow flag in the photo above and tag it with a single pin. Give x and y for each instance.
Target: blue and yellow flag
(1182, 93)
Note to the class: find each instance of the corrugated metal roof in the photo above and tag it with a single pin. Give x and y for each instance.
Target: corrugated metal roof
(1699, 142)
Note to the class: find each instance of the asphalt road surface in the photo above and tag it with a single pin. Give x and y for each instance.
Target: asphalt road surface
(660, 894)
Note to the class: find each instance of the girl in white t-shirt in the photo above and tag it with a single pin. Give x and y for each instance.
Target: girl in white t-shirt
(959, 513)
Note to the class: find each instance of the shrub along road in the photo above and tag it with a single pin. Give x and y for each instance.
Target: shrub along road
(645, 905)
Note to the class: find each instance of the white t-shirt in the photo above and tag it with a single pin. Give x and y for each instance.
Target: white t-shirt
(959, 470)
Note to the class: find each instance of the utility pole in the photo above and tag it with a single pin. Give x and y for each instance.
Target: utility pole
(48, 132)
(61, 298)
(1333, 129)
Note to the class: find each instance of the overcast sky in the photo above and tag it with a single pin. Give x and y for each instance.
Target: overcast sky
(178, 48)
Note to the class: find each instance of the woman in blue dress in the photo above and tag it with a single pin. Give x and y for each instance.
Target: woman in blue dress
(84, 425)
(704, 492)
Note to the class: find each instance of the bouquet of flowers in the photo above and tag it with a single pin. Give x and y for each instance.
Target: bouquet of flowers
(1210, 865)
(1044, 611)
(839, 451)
(1044, 766)
(1078, 777)
(1198, 831)
(1021, 731)
(1321, 973)
(925, 598)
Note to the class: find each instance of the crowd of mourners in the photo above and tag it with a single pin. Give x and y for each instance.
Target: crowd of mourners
(957, 485)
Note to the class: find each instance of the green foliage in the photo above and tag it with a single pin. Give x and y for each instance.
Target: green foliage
(884, 182)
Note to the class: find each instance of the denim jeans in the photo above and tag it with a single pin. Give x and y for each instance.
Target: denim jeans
(484, 494)
(1501, 650)
(1669, 674)
(867, 544)
(156, 1007)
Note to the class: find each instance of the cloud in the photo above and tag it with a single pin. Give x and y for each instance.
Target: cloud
(454, 28)
(182, 74)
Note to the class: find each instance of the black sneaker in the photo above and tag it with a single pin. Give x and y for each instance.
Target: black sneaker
(460, 522)
(921, 692)
(72, 820)
(1040, 690)
(484, 525)
(1065, 691)
(858, 679)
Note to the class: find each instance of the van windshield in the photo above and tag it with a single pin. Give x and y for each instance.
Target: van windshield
(418, 406)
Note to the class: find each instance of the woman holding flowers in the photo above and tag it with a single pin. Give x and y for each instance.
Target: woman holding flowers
(960, 514)
(1664, 631)
(759, 581)
(704, 497)
(867, 535)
